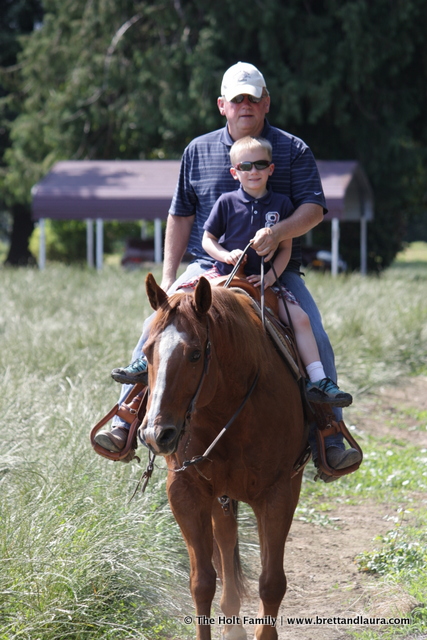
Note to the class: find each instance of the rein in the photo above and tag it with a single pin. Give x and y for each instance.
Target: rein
(197, 459)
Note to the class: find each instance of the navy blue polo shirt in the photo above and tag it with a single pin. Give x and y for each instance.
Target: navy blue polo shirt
(205, 176)
(237, 216)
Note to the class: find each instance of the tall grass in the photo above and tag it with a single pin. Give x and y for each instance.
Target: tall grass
(77, 559)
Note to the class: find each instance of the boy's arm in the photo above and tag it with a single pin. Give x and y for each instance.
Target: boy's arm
(282, 258)
(280, 263)
(211, 245)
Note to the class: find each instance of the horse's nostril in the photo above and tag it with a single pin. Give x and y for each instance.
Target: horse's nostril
(167, 436)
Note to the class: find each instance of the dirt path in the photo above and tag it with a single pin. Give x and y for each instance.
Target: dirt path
(323, 579)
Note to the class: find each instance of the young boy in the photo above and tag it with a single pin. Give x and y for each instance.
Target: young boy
(235, 219)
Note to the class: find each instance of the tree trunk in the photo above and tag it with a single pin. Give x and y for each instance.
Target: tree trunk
(19, 253)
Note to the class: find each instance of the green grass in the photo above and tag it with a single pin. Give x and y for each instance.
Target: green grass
(77, 560)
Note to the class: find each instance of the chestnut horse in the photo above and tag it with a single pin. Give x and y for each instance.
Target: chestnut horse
(208, 355)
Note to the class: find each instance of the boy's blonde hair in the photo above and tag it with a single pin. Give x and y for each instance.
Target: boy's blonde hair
(248, 143)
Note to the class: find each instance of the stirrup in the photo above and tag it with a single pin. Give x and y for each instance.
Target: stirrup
(328, 426)
(132, 410)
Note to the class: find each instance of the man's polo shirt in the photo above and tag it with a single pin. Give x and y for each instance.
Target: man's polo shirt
(237, 216)
(205, 176)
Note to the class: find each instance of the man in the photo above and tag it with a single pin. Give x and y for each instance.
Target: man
(204, 176)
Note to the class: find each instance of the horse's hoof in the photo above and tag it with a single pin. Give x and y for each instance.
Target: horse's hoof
(236, 632)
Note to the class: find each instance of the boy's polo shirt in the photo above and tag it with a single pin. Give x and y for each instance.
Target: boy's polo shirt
(237, 216)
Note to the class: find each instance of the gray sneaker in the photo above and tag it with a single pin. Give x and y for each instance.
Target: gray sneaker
(134, 373)
(327, 392)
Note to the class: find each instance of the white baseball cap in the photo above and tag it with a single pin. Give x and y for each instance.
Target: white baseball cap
(242, 78)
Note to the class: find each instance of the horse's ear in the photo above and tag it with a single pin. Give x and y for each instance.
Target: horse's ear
(203, 296)
(155, 294)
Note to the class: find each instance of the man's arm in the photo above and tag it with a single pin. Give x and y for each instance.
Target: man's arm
(178, 229)
(305, 217)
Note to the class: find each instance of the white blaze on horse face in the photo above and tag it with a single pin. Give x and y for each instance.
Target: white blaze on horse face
(170, 340)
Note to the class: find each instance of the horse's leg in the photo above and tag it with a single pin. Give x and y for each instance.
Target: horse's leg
(192, 510)
(225, 533)
(274, 515)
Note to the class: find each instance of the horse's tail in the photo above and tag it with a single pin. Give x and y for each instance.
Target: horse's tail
(238, 571)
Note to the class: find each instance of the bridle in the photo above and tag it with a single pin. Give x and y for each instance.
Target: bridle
(192, 406)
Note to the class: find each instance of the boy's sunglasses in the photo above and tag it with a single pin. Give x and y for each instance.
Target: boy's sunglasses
(258, 164)
(238, 99)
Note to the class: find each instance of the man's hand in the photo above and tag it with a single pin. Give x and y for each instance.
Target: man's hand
(265, 242)
(166, 283)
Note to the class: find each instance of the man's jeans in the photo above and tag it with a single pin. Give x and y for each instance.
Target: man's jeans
(295, 283)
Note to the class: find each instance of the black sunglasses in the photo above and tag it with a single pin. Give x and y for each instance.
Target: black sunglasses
(239, 99)
(258, 164)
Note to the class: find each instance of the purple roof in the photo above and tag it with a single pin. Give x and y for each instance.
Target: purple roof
(143, 189)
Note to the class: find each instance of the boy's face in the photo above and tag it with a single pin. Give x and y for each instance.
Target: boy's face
(254, 181)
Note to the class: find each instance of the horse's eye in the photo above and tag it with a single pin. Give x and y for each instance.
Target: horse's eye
(195, 356)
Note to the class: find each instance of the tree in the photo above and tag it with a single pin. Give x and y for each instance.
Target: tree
(18, 17)
(107, 79)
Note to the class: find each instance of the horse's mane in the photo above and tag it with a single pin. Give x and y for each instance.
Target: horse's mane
(232, 321)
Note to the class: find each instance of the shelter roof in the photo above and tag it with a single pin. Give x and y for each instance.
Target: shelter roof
(143, 189)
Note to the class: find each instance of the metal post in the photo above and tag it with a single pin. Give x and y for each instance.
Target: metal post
(99, 243)
(335, 245)
(158, 240)
(89, 243)
(144, 232)
(42, 244)
(363, 246)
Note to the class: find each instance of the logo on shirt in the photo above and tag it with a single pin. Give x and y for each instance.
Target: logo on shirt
(271, 218)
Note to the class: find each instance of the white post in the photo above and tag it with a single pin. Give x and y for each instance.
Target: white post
(335, 245)
(363, 246)
(42, 244)
(99, 243)
(158, 240)
(144, 233)
(89, 243)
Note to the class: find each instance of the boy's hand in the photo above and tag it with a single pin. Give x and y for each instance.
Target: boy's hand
(255, 280)
(234, 256)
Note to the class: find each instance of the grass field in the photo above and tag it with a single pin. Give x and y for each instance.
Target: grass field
(77, 559)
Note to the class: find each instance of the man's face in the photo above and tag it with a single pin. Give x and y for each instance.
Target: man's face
(245, 118)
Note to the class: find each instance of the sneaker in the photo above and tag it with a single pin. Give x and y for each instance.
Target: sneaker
(134, 373)
(114, 440)
(326, 391)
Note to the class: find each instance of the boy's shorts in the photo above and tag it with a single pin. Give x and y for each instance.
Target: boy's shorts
(213, 273)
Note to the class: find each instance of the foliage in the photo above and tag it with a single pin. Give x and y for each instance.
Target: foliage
(78, 559)
(399, 554)
(66, 239)
(107, 79)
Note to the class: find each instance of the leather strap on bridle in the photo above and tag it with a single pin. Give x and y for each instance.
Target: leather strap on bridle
(207, 359)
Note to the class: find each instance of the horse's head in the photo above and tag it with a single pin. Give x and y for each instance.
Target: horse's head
(178, 353)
